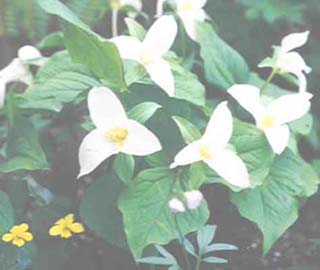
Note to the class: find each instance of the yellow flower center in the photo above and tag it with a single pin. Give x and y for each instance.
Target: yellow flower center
(146, 58)
(206, 153)
(187, 6)
(115, 4)
(117, 135)
(268, 122)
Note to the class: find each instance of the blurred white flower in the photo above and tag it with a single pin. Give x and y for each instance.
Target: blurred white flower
(190, 12)
(18, 69)
(194, 199)
(149, 53)
(176, 206)
(272, 119)
(212, 149)
(114, 132)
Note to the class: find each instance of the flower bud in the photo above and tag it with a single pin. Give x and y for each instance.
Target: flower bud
(176, 206)
(194, 199)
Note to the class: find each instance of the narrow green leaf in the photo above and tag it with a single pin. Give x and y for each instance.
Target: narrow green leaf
(124, 167)
(214, 260)
(143, 111)
(188, 131)
(135, 29)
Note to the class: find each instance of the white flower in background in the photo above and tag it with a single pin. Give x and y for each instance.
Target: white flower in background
(193, 198)
(18, 69)
(135, 4)
(212, 149)
(114, 132)
(272, 119)
(150, 52)
(176, 206)
(190, 12)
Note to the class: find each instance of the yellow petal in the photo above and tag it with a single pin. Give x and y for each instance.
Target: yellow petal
(15, 230)
(69, 218)
(55, 230)
(61, 222)
(76, 228)
(66, 234)
(8, 237)
(28, 237)
(23, 228)
(18, 242)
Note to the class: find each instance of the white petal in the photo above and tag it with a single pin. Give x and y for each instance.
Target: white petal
(220, 126)
(160, 36)
(294, 40)
(160, 7)
(302, 82)
(176, 206)
(248, 97)
(278, 138)
(15, 71)
(289, 107)
(3, 85)
(188, 155)
(140, 141)
(94, 149)
(190, 26)
(129, 47)
(160, 72)
(194, 199)
(292, 62)
(231, 168)
(27, 53)
(105, 108)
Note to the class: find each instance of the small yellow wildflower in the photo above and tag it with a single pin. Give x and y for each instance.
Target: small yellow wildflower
(65, 227)
(18, 235)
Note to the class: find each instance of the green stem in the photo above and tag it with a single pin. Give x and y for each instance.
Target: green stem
(114, 22)
(198, 262)
(181, 240)
(269, 80)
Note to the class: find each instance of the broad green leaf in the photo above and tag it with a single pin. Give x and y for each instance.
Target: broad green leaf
(147, 217)
(86, 47)
(143, 111)
(24, 151)
(188, 131)
(6, 213)
(58, 82)
(53, 40)
(197, 175)
(135, 29)
(274, 206)
(124, 167)
(98, 210)
(223, 65)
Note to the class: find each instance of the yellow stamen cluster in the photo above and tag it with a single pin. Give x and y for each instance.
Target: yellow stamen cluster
(268, 122)
(66, 227)
(187, 6)
(117, 135)
(206, 153)
(19, 235)
(145, 58)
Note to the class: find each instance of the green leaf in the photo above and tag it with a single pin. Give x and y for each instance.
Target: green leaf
(6, 213)
(205, 237)
(99, 211)
(223, 65)
(197, 175)
(58, 82)
(86, 47)
(101, 56)
(135, 29)
(187, 86)
(274, 206)
(124, 167)
(214, 260)
(188, 131)
(53, 40)
(143, 111)
(147, 217)
(24, 151)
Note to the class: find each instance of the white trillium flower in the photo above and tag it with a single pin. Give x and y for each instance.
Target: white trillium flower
(18, 70)
(176, 206)
(194, 199)
(114, 132)
(150, 52)
(292, 62)
(212, 149)
(272, 119)
(190, 12)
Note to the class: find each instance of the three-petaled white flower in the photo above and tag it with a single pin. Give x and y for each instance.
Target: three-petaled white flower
(190, 12)
(212, 149)
(135, 4)
(114, 132)
(289, 61)
(273, 119)
(150, 52)
(18, 69)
